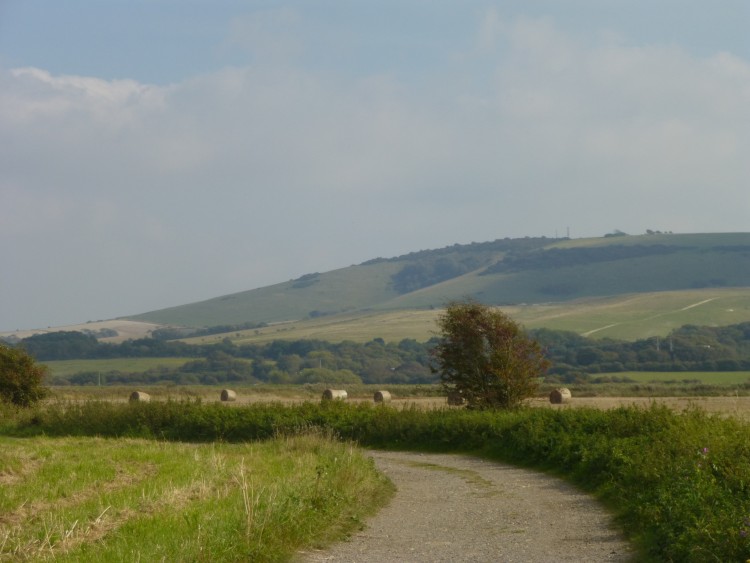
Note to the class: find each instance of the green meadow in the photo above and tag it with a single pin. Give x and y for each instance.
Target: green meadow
(623, 317)
(544, 274)
(129, 499)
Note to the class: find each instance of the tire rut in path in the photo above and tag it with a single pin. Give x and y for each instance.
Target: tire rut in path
(458, 509)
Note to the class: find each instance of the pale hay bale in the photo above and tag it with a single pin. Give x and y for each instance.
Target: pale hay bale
(331, 394)
(455, 398)
(382, 397)
(560, 396)
(228, 395)
(139, 396)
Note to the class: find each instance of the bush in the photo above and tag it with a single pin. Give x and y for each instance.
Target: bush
(21, 379)
(485, 356)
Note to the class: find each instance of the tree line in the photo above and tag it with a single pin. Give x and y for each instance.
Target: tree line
(688, 348)
(572, 357)
(280, 361)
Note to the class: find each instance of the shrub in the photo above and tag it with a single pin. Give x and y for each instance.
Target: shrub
(486, 357)
(21, 378)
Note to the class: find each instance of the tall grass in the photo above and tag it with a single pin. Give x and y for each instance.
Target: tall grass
(679, 483)
(94, 499)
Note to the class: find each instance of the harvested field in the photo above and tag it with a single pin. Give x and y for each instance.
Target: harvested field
(732, 405)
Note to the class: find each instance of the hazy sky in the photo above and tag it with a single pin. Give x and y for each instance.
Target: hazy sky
(159, 152)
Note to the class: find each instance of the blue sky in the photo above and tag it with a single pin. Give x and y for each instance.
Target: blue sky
(158, 152)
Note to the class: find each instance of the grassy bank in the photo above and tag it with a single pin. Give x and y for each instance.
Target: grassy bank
(95, 499)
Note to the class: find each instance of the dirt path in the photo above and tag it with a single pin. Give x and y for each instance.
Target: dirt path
(459, 509)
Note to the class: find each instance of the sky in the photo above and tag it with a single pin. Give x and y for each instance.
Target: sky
(155, 153)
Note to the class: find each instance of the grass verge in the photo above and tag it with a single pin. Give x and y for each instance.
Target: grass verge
(95, 499)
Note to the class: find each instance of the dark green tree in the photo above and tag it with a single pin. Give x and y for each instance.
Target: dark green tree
(486, 357)
(21, 378)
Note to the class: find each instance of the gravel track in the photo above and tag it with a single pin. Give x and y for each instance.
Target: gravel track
(458, 509)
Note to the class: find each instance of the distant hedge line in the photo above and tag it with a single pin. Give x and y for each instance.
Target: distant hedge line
(574, 358)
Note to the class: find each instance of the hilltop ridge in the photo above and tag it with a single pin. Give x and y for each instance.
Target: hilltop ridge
(501, 272)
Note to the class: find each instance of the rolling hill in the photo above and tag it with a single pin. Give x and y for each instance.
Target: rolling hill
(577, 284)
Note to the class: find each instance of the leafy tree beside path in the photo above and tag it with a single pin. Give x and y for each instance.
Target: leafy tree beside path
(486, 357)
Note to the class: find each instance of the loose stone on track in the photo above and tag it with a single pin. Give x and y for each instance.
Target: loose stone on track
(451, 508)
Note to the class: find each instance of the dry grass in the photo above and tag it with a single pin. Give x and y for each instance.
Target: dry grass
(730, 405)
(126, 330)
(91, 499)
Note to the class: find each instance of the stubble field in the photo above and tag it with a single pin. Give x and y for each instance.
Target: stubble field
(729, 402)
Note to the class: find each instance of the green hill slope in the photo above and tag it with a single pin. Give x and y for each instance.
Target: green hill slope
(623, 317)
(503, 272)
(311, 295)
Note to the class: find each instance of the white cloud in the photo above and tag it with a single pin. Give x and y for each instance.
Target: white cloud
(37, 94)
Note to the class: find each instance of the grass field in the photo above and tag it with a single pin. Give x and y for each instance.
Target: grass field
(125, 365)
(341, 290)
(92, 499)
(629, 317)
(641, 316)
(720, 398)
(705, 377)
(391, 326)
(263, 393)
(681, 263)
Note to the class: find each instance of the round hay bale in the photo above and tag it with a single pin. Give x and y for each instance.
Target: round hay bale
(455, 398)
(337, 394)
(139, 396)
(560, 396)
(382, 397)
(228, 395)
